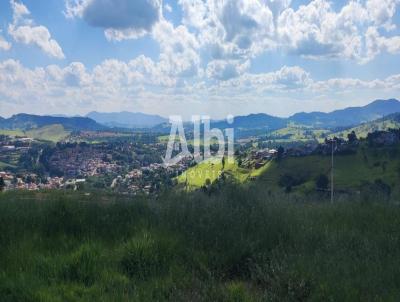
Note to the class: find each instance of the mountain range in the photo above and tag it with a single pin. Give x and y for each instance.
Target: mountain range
(127, 119)
(343, 118)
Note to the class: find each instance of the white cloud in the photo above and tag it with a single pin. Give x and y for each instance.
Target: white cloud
(179, 49)
(142, 84)
(121, 19)
(4, 45)
(317, 31)
(23, 30)
(234, 28)
(226, 69)
(168, 8)
(240, 30)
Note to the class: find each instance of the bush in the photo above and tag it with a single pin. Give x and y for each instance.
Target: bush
(145, 256)
(83, 266)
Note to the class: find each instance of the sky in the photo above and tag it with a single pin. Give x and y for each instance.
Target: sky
(191, 57)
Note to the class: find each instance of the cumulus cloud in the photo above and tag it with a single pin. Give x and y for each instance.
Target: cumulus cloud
(239, 29)
(4, 45)
(179, 49)
(23, 30)
(234, 28)
(317, 31)
(117, 84)
(121, 19)
(226, 69)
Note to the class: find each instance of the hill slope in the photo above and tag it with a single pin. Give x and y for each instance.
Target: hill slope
(391, 121)
(28, 121)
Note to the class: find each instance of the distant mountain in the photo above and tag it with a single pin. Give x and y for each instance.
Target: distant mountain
(349, 116)
(253, 121)
(28, 121)
(127, 119)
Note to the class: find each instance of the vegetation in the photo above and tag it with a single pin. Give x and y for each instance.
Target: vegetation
(353, 172)
(240, 244)
(195, 177)
(53, 133)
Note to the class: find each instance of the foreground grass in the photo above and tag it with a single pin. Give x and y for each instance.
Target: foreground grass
(238, 245)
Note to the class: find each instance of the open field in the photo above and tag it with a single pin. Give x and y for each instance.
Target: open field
(52, 133)
(363, 129)
(350, 173)
(237, 245)
(197, 175)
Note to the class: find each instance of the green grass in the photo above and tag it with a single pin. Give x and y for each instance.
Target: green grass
(363, 130)
(54, 133)
(196, 176)
(350, 172)
(297, 133)
(11, 132)
(240, 244)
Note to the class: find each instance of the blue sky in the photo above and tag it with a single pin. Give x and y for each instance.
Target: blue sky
(196, 57)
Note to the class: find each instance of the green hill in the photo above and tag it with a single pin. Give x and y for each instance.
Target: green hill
(351, 172)
(196, 176)
(383, 124)
(54, 133)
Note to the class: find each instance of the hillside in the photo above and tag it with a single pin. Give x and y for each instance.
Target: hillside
(54, 133)
(352, 172)
(391, 121)
(127, 119)
(24, 121)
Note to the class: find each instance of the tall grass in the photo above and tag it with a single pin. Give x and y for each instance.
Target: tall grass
(240, 244)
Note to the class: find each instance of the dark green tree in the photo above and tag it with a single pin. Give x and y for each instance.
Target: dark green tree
(352, 137)
(2, 184)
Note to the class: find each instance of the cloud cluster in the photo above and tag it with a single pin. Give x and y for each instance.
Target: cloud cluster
(23, 30)
(4, 45)
(121, 19)
(222, 37)
(118, 84)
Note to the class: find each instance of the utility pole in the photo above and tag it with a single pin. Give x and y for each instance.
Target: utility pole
(333, 150)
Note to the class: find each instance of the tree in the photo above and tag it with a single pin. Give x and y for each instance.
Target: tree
(322, 182)
(281, 150)
(223, 162)
(352, 137)
(2, 184)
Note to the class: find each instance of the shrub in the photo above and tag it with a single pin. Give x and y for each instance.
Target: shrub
(83, 266)
(145, 256)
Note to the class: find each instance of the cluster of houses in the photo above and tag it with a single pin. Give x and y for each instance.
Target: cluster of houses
(88, 162)
(30, 181)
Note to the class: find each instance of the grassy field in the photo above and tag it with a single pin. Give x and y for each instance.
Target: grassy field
(297, 133)
(240, 244)
(363, 130)
(351, 171)
(53, 133)
(197, 175)
(11, 132)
